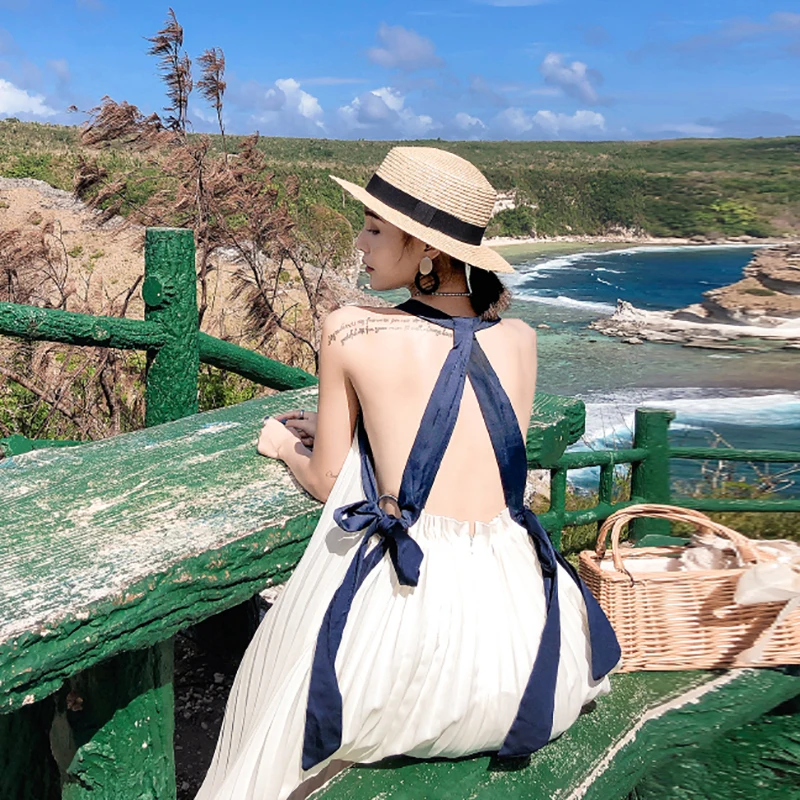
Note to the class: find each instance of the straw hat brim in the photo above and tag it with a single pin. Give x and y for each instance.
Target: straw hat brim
(479, 255)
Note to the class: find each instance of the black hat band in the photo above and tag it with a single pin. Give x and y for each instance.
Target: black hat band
(424, 213)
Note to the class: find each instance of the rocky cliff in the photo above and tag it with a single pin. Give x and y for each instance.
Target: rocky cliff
(764, 304)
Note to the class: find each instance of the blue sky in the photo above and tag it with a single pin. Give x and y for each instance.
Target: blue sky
(456, 69)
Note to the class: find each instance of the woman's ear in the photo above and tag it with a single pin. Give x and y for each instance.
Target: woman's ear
(431, 252)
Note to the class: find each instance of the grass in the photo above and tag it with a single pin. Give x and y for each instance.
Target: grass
(685, 187)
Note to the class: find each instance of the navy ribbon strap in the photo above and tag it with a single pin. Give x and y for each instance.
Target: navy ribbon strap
(532, 727)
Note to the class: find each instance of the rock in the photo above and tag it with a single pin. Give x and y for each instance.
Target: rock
(633, 340)
(218, 677)
(543, 326)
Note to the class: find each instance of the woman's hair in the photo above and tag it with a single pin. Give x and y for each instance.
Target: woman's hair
(489, 294)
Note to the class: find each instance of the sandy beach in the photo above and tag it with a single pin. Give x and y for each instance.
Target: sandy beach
(511, 246)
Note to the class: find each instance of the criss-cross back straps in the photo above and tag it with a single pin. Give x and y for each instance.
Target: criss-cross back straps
(532, 726)
(323, 728)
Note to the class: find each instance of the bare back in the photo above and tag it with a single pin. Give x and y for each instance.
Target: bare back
(393, 360)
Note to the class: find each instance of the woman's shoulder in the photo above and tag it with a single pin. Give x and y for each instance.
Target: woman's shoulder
(354, 324)
(353, 314)
(519, 329)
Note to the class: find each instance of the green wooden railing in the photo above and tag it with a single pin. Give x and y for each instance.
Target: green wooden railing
(175, 347)
(649, 459)
(169, 333)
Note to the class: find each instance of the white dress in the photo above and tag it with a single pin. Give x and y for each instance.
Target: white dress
(437, 669)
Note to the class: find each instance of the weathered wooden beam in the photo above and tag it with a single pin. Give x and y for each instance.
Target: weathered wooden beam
(170, 295)
(17, 444)
(739, 505)
(650, 478)
(53, 325)
(734, 454)
(118, 544)
(252, 365)
(601, 458)
(556, 423)
(649, 720)
(114, 738)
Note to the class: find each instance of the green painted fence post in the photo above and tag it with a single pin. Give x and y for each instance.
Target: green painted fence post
(650, 478)
(170, 296)
(114, 741)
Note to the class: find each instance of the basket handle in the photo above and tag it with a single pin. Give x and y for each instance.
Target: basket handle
(617, 521)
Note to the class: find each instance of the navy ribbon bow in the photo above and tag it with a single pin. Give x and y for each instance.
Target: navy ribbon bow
(368, 516)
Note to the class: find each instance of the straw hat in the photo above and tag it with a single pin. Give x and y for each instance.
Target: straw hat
(437, 197)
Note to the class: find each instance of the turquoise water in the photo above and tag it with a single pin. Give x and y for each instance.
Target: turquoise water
(746, 400)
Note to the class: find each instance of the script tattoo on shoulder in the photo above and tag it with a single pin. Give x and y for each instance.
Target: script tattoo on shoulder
(366, 327)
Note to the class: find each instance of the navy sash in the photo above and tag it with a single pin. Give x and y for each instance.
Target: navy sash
(533, 724)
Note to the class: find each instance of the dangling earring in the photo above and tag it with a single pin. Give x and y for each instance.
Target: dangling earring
(426, 273)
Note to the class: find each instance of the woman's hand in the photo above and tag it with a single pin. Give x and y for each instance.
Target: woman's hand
(302, 423)
(283, 430)
(273, 438)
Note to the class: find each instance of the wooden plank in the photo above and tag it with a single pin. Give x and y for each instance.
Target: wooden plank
(115, 742)
(647, 719)
(556, 423)
(759, 761)
(116, 544)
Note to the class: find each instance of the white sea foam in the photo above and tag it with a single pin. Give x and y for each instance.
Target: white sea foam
(677, 248)
(530, 297)
(606, 269)
(561, 263)
(610, 418)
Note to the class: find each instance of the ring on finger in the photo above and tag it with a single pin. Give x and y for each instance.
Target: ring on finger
(302, 413)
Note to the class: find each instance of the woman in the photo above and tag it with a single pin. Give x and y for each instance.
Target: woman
(429, 616)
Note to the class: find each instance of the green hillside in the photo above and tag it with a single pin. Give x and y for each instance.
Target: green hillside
(685, 187)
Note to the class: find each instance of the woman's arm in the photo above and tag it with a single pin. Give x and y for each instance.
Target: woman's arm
(316, 470)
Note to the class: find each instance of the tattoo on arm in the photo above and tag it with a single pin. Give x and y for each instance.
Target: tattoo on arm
(365, 327)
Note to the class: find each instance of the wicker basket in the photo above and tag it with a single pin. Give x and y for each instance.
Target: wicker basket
(677, 620)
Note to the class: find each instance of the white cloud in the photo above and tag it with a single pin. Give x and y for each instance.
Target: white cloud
(516, 122)
(284, 108)
(465, 122)
(384, 112)
(18, 101)
(403, 49)
(297, 100)
(574, 79)
(686, 129)
(581, 121)
(393, 99)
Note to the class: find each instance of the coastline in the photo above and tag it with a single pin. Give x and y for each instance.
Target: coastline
(511, 246)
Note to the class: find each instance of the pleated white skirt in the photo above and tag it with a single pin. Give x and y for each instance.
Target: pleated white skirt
(433, 670)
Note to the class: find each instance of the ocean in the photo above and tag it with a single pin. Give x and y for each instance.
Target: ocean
(736, 399)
